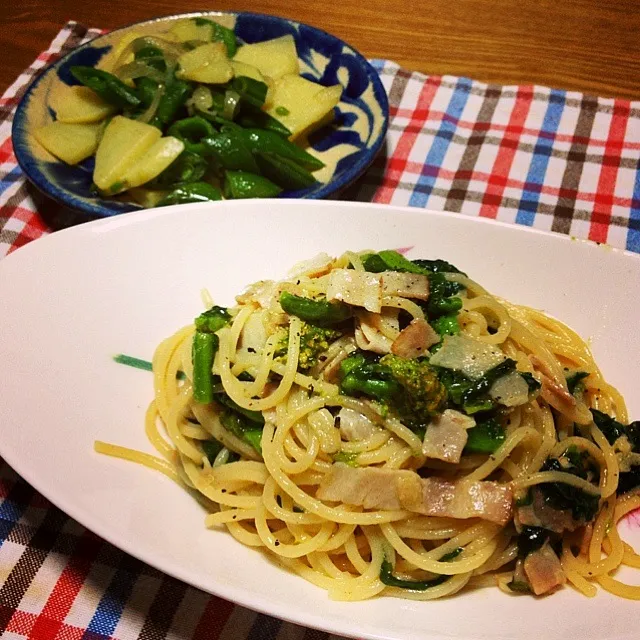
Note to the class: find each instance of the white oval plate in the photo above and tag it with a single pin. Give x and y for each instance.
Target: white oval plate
(72, 300)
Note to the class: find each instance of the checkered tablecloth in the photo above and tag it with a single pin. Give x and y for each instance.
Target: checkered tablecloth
(529, 155)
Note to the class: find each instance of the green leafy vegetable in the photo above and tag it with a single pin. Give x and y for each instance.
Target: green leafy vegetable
(486, 437)
(409, 387)
(561, 496)
(574, 381)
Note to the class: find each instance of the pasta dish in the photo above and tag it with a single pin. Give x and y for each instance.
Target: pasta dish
(383, 426)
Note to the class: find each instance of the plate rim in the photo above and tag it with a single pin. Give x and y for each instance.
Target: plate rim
(242, 598)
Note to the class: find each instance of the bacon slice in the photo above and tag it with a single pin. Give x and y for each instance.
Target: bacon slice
(446, 436)
(415, 339)
(355, 426)
(540, 514)
(543, 570)
(317, 266)
(358, 288)
(405, 285)
(374, 488)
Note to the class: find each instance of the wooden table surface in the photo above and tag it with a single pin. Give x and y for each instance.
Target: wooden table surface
(586, 45)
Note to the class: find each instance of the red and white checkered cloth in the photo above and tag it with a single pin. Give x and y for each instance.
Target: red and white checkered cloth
(525, 154)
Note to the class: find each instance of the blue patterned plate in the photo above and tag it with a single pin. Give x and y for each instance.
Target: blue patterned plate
(347, 147)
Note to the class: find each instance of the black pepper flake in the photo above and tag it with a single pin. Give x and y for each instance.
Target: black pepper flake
(277, 543)
(223, 491)
(251, 350)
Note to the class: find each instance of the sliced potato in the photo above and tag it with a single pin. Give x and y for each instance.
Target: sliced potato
(124, 142)
(247, 70)
(155, 160)
(207, 64)
(273, 58)
(302, 105)
(78, 105)
(72, 143)
(186, 30)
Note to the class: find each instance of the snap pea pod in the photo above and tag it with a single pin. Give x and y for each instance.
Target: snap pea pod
(153, 57)
(251, 91)
(252, 117)
(284, 172)
(176, 94)
(146, 89)
(192, 131)
(107, 86)
(194, 192)
(187, 168)
(230, 152)
(220, 34)
(319, 312)
(242, 184)
(203, 350)
(270, 142)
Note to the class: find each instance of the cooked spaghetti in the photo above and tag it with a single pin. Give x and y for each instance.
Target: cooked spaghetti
(382, 426)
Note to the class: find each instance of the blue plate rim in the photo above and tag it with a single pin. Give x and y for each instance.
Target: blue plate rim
(68, 199)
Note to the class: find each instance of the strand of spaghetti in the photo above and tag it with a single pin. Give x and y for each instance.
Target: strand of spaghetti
(435, 566)
(404, 304)
(151, 430)
(269, 498)
(232, 515)
(205, 484)
(543, 419)
(600, 527)
(323, 424)
(311, 504)
(174, 415)
(374, 441)
(296, 550)
(246, 470)
(139, 457)
(244, 536)
(383, 454)
(496, 459)
(404, 433)
(543, 477)
(166, 393)
(234, 387)
(611, 471)
(193, 431)
(489, 303)
(369, 581)
(339, 538)
(322, 563)
(264, 368)
(582, 444)
(210, 420)
(568, 562)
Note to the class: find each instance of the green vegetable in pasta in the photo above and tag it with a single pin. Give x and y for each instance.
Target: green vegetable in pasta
(314, 341)
(485, 437)
(410, 388)
(319, 312)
